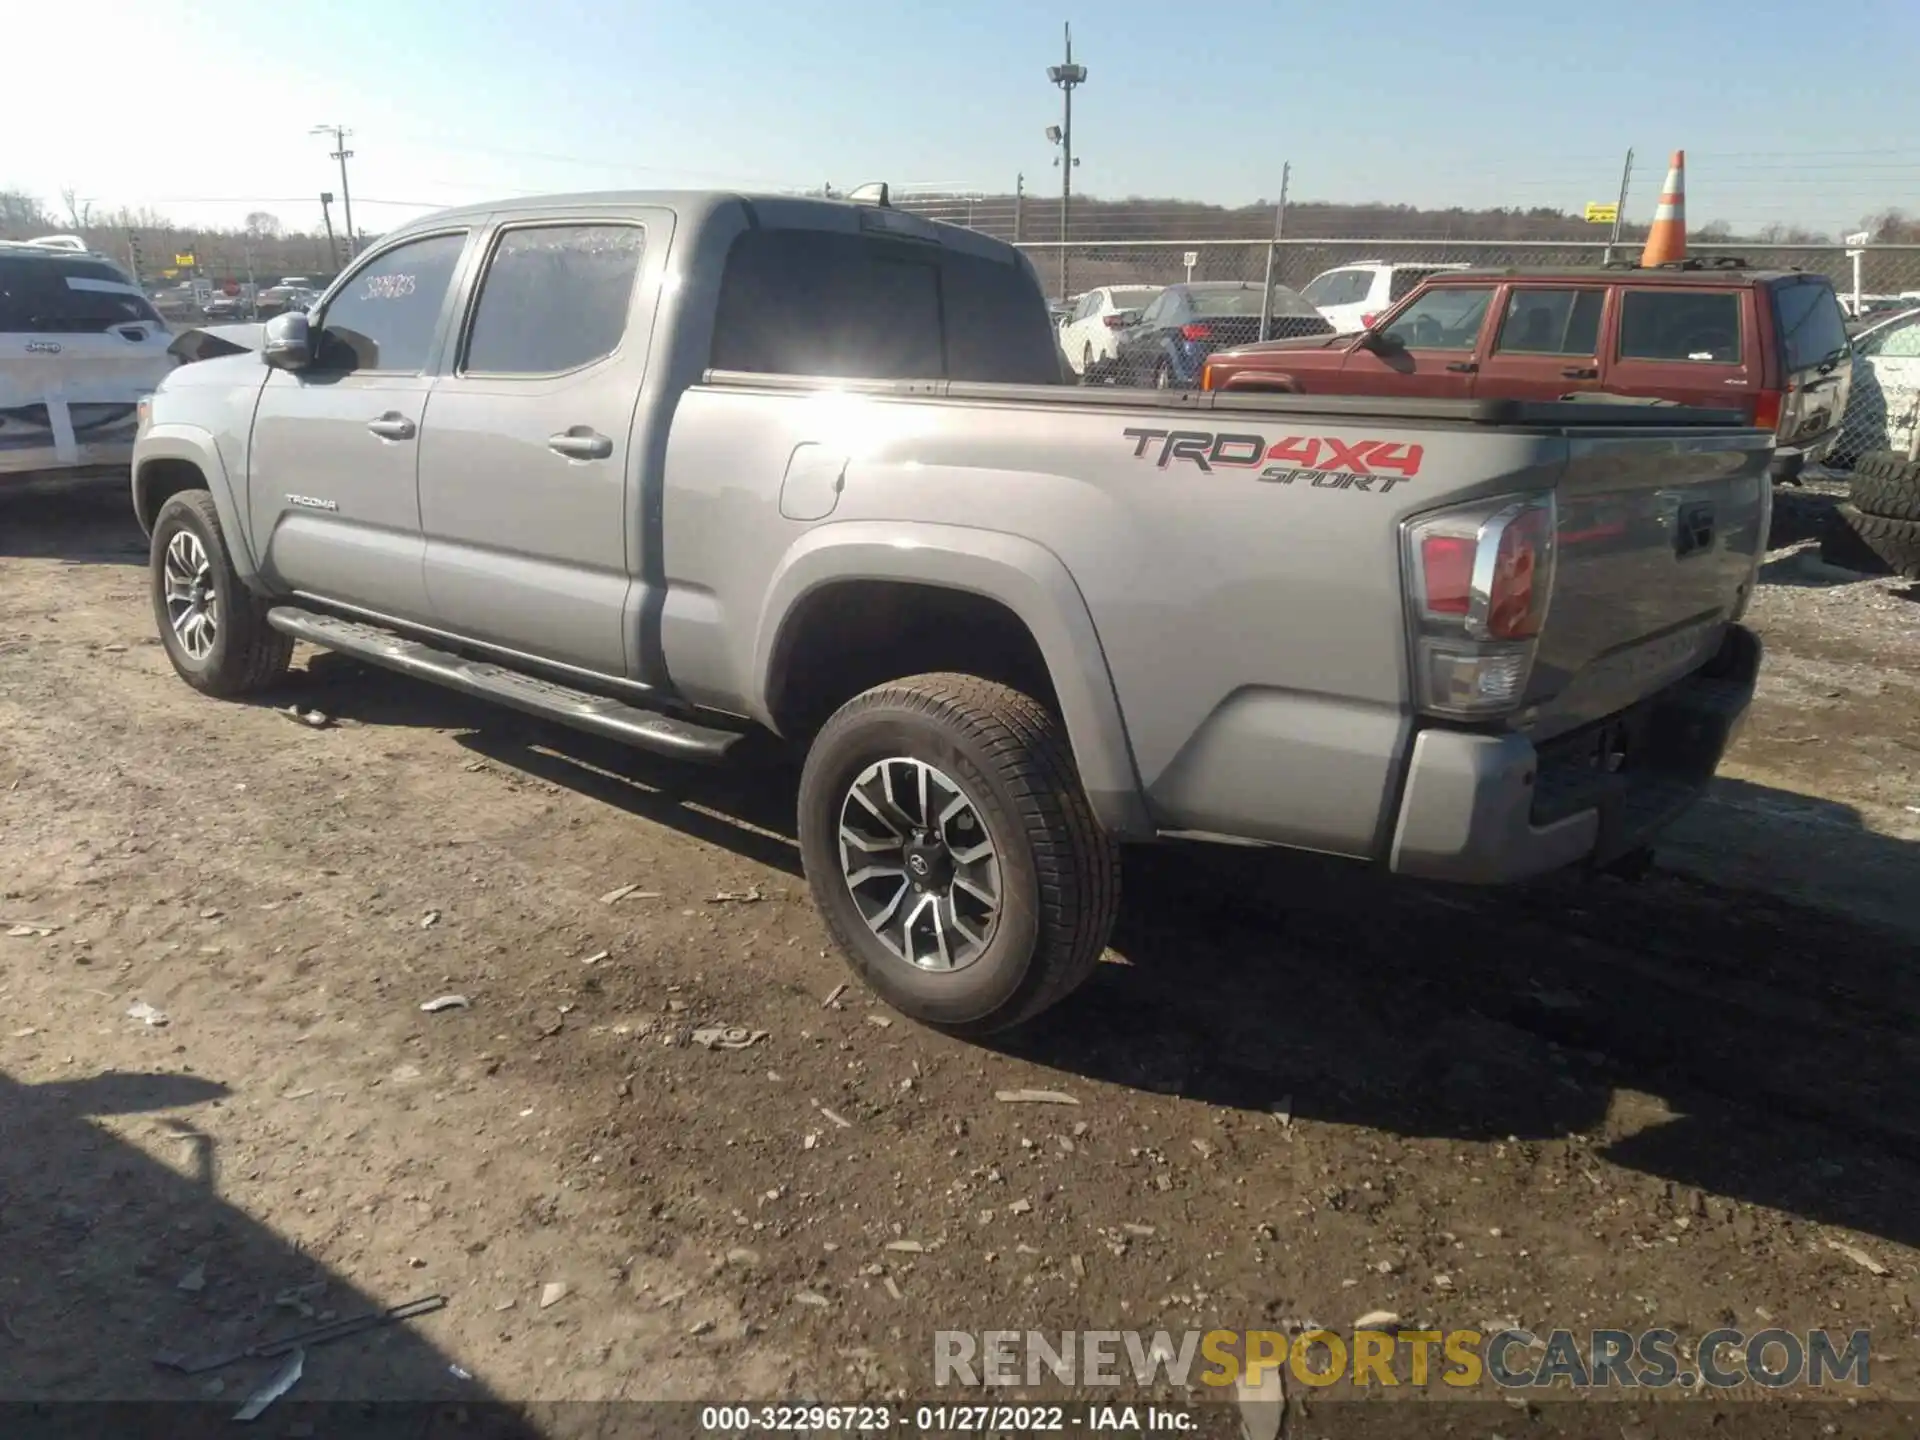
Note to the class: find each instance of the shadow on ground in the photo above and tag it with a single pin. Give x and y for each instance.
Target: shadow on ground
(80, 522)
(1781, 1035)
(112, 1256)
(1785, 1038)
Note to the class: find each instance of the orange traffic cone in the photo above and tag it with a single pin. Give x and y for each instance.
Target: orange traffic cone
(1667, 240)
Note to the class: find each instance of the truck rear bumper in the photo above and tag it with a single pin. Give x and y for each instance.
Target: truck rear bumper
(1486, 809)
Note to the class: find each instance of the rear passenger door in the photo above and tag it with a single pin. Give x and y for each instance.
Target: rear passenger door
(526, 453)
(1547, 343)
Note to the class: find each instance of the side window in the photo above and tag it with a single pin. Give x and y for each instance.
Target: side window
(1447, 318)
(1895, 342)
(385, 317)
(1810, 322)
(1702, 326)
(820, 302)
(1552, 322)
(555, 298)
(1341, 287)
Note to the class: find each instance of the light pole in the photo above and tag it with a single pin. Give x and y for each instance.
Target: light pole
(326, 214)
(341, 153)
(1066, 76)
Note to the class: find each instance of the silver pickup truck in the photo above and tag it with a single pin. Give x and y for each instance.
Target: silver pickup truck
(683, 468)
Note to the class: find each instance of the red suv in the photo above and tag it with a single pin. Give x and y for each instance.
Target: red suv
(1770, 342)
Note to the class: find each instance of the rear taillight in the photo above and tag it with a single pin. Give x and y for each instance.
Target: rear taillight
(1116, 322)
(1366, 321)
(1196, 332)
(1767, 407)
(1446, 573)
(1479, 578)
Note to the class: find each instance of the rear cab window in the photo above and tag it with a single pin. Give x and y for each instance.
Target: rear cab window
(68, 295)
(1676, 323)
(871, 307)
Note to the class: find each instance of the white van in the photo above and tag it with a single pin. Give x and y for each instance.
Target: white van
(80, 345)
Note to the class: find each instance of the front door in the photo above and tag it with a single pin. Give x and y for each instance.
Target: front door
(1439, 340)
(526, 452)
(1546, 345)
(332, 484)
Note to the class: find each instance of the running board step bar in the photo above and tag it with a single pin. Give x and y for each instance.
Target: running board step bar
(596, 714)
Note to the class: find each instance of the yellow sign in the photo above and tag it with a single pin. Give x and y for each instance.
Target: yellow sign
(183, 261)
(1602, 214)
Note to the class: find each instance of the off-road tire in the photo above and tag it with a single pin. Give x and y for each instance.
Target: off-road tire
(1871, 544)
(1887, 484)
(1060, 872)
(247, 653)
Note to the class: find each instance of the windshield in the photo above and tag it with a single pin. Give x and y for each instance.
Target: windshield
(55, 295)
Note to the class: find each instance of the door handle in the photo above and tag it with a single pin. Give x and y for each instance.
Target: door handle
(580, 443)
(1581, 373)
(1463, 367)
(392, 426)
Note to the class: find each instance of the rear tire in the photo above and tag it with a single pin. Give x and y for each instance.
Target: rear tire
(1887, 484)
(996, 768)
(212, 627)
(1871, 544)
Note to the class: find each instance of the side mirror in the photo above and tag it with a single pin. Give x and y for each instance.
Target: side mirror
(288, 343)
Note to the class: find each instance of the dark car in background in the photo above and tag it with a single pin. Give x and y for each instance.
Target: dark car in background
(1170, 342)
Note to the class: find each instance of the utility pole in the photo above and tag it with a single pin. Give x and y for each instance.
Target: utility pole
(1619, 210)
(1019, 200)
(342, 154)
(326, 214)
(1066, 76)
(1273, 250)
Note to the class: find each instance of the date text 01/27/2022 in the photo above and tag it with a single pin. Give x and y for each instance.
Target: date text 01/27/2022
(958, 1419)
(1371, 466)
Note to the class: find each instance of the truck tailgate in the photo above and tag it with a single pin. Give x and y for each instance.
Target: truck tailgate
(1657, 545)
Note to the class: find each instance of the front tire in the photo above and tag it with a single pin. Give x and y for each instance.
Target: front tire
(953, 853)
(212, 627)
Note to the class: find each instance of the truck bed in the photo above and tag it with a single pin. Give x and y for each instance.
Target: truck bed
(1239, 556)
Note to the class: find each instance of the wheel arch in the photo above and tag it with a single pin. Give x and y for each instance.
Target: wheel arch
(989, 600)
(174, 458)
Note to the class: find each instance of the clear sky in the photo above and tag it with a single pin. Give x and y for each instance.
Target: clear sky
(201, 108)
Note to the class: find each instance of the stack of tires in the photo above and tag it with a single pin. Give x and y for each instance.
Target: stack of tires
(1879, 530)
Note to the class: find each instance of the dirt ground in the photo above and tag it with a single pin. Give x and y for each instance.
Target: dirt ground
(1302, 1094)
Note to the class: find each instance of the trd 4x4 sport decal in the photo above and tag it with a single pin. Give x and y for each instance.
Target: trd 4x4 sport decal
(1325, 461)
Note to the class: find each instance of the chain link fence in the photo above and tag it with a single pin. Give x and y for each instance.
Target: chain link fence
(1885, 402)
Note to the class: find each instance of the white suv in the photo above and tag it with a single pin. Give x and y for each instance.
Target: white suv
(1091, 332)
(80, 346)
(1352, 296)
